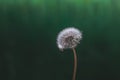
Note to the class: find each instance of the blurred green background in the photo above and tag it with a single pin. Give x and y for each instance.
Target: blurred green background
(28, 31)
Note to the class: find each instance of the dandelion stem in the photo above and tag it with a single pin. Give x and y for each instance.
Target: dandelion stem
(75, 64)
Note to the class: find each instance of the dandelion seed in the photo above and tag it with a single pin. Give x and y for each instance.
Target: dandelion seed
(69, 38)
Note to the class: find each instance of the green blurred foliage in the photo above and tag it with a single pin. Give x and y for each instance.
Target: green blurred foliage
(28, 31)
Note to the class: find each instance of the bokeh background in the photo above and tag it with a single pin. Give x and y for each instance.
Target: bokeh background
(28, 31)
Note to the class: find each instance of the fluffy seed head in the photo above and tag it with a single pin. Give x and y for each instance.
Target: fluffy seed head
(68, 38)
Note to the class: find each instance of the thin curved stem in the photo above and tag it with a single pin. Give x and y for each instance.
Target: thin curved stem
(75, 64)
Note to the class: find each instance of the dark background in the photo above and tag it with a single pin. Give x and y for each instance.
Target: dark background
(28, 31)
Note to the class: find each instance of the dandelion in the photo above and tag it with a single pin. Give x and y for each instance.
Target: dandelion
(69, 38)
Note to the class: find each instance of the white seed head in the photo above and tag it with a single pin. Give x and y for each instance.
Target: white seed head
(68, 38)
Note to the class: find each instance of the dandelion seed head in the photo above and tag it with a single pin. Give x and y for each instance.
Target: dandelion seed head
(69, 38)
